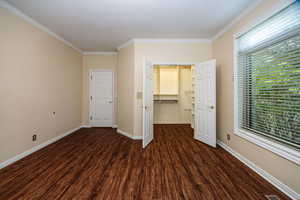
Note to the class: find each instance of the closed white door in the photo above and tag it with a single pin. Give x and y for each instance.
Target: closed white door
(147, 103)
(205, 102)
(101, 99)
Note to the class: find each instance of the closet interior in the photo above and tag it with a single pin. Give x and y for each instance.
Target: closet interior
(173, 94)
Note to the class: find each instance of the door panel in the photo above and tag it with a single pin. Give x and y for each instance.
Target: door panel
(205, 102)
(147, 103)
(101, 99)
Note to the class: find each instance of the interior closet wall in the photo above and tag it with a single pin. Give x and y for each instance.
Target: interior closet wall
(180, 112)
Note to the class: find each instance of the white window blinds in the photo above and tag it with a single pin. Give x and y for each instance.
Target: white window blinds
(269, 78)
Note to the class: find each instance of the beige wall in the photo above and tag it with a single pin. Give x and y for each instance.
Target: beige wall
(108, 61)
(125, 87)
(177, 113)
(163, 52)
(286, 171)
(38, 75)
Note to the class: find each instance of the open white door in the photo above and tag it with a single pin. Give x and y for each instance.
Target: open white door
(205, 102)
(147, 103)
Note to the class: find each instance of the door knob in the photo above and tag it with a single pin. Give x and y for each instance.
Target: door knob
(110, 101)
(211, 107)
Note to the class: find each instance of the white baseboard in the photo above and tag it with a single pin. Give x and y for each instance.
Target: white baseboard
(274, 181)
(89, 126)
(130, 136)
(86, 126)
(36, 148)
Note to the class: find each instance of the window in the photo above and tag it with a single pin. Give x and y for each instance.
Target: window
(267, 83)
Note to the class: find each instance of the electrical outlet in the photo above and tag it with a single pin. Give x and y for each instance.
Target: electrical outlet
(34, 138)
(228, 136)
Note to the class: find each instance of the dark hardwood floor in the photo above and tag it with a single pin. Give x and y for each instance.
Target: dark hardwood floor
(98, 163)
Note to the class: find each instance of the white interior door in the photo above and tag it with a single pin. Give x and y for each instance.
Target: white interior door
(205, 102)
(101, 99)
(147, 103)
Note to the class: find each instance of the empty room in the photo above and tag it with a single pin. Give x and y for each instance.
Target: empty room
(150, 99)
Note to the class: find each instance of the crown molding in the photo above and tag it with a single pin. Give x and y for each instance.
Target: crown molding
(238, 18)
(280, 5)
(100, 53)
(19, 13)
(125, 44)
(173, 40)
(140, 40)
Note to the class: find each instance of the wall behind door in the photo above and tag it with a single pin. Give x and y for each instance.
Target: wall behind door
(96, 61)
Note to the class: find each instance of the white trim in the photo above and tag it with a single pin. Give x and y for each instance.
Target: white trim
(19, 13)
(125, 44)
(128, 135)
(279, 149)
(113, 94)
(36, 148)
(277, 7)
(86, 126)
(139, 40)
(100, 53)
(268, 177)
(166, 40)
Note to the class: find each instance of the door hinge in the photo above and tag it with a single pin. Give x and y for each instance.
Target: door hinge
(91, 118)
(91, 98)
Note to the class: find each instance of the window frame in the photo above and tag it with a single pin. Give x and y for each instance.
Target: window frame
(282, 150)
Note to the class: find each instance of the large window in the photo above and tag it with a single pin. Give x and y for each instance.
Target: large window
(268, 81)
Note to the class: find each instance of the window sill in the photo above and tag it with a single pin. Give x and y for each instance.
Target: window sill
(279, 149)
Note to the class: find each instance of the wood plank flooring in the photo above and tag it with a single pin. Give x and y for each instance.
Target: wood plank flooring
(98, 163)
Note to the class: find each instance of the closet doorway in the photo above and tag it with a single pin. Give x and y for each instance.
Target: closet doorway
(173, 94)
(180, 93)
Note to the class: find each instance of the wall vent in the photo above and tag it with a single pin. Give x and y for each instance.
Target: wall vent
(272, 197)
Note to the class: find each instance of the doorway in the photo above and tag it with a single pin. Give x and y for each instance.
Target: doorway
(173, 94)
(203, 98)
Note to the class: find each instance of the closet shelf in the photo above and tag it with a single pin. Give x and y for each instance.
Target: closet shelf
(165, 94)
(165, 101)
